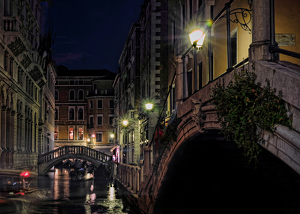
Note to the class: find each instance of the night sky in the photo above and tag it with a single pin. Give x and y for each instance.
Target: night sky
(90, 34)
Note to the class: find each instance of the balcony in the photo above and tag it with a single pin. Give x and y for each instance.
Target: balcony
(101, 92)
(10, 24)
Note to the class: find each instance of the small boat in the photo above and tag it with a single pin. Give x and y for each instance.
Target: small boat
(84, 173)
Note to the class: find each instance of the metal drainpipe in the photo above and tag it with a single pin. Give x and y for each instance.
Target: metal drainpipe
(195, 70)
(272, 29)
(229, 64)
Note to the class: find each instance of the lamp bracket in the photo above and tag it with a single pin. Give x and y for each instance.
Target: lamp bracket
(241, 16)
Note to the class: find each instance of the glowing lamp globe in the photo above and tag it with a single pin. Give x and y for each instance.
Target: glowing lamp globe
(197, 38)
(149, 106)
(112, 135)
(125, 122)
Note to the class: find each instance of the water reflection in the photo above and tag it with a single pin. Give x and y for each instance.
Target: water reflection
(92, 196)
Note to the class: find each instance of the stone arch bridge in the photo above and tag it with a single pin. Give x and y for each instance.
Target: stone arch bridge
(144, 181)
(50, 159)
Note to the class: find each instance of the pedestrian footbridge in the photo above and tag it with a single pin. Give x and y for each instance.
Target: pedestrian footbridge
(50, 159)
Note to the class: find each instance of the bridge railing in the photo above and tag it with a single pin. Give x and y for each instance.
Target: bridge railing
(78, 150)
(129, 176)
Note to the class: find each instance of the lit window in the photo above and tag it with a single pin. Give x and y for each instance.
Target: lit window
(71, 134)
(80, 133)
(55, 133)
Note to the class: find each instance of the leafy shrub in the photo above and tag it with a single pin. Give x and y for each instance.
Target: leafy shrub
(244, 109)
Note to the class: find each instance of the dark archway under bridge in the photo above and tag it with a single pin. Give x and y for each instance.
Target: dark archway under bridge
(207, 175)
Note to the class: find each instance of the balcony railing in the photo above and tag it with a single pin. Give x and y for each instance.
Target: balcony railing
(10, 24)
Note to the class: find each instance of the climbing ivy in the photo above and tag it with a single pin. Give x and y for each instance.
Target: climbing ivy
(244, 109)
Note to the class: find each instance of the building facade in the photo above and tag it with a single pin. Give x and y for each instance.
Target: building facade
(228, 40)
(169, 67)
(142, 79)
(84, 108)
(27, 74)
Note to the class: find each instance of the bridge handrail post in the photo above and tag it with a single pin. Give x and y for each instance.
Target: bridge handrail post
(138, 170)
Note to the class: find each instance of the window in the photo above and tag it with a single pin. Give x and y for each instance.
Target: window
(190, 82)
(199, 3)
(111, 103)
(56, 133)
(99, 137)
(99, 120)
(183, 15)
(191, 9)
(56, 114)
(233, 38)
(200, 75)
(100, 104)
(95, 88)
(80, 114)
(80, 133)
(72, 82)
(172, 98)
(91, 104)
(56, 94)
(91, 119)
(111, 119)
(71, 114)
(80, 94)
(72, 95)
(71, 133)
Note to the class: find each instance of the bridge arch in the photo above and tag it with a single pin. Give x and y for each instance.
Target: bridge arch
(207, 168)
(50, 159)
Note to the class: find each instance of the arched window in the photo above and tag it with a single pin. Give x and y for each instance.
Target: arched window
(80, 94)
(56, 94)
(71, 114)
(71, 94)
(80, 114)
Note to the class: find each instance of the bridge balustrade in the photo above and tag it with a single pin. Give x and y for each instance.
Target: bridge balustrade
(76, 150)
(129, 176)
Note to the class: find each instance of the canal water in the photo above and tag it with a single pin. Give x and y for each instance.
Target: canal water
(98, 195)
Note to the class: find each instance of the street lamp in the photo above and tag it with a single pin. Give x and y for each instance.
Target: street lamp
(197, 40)
(149, 106)
(112, 135)
(125, 122)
